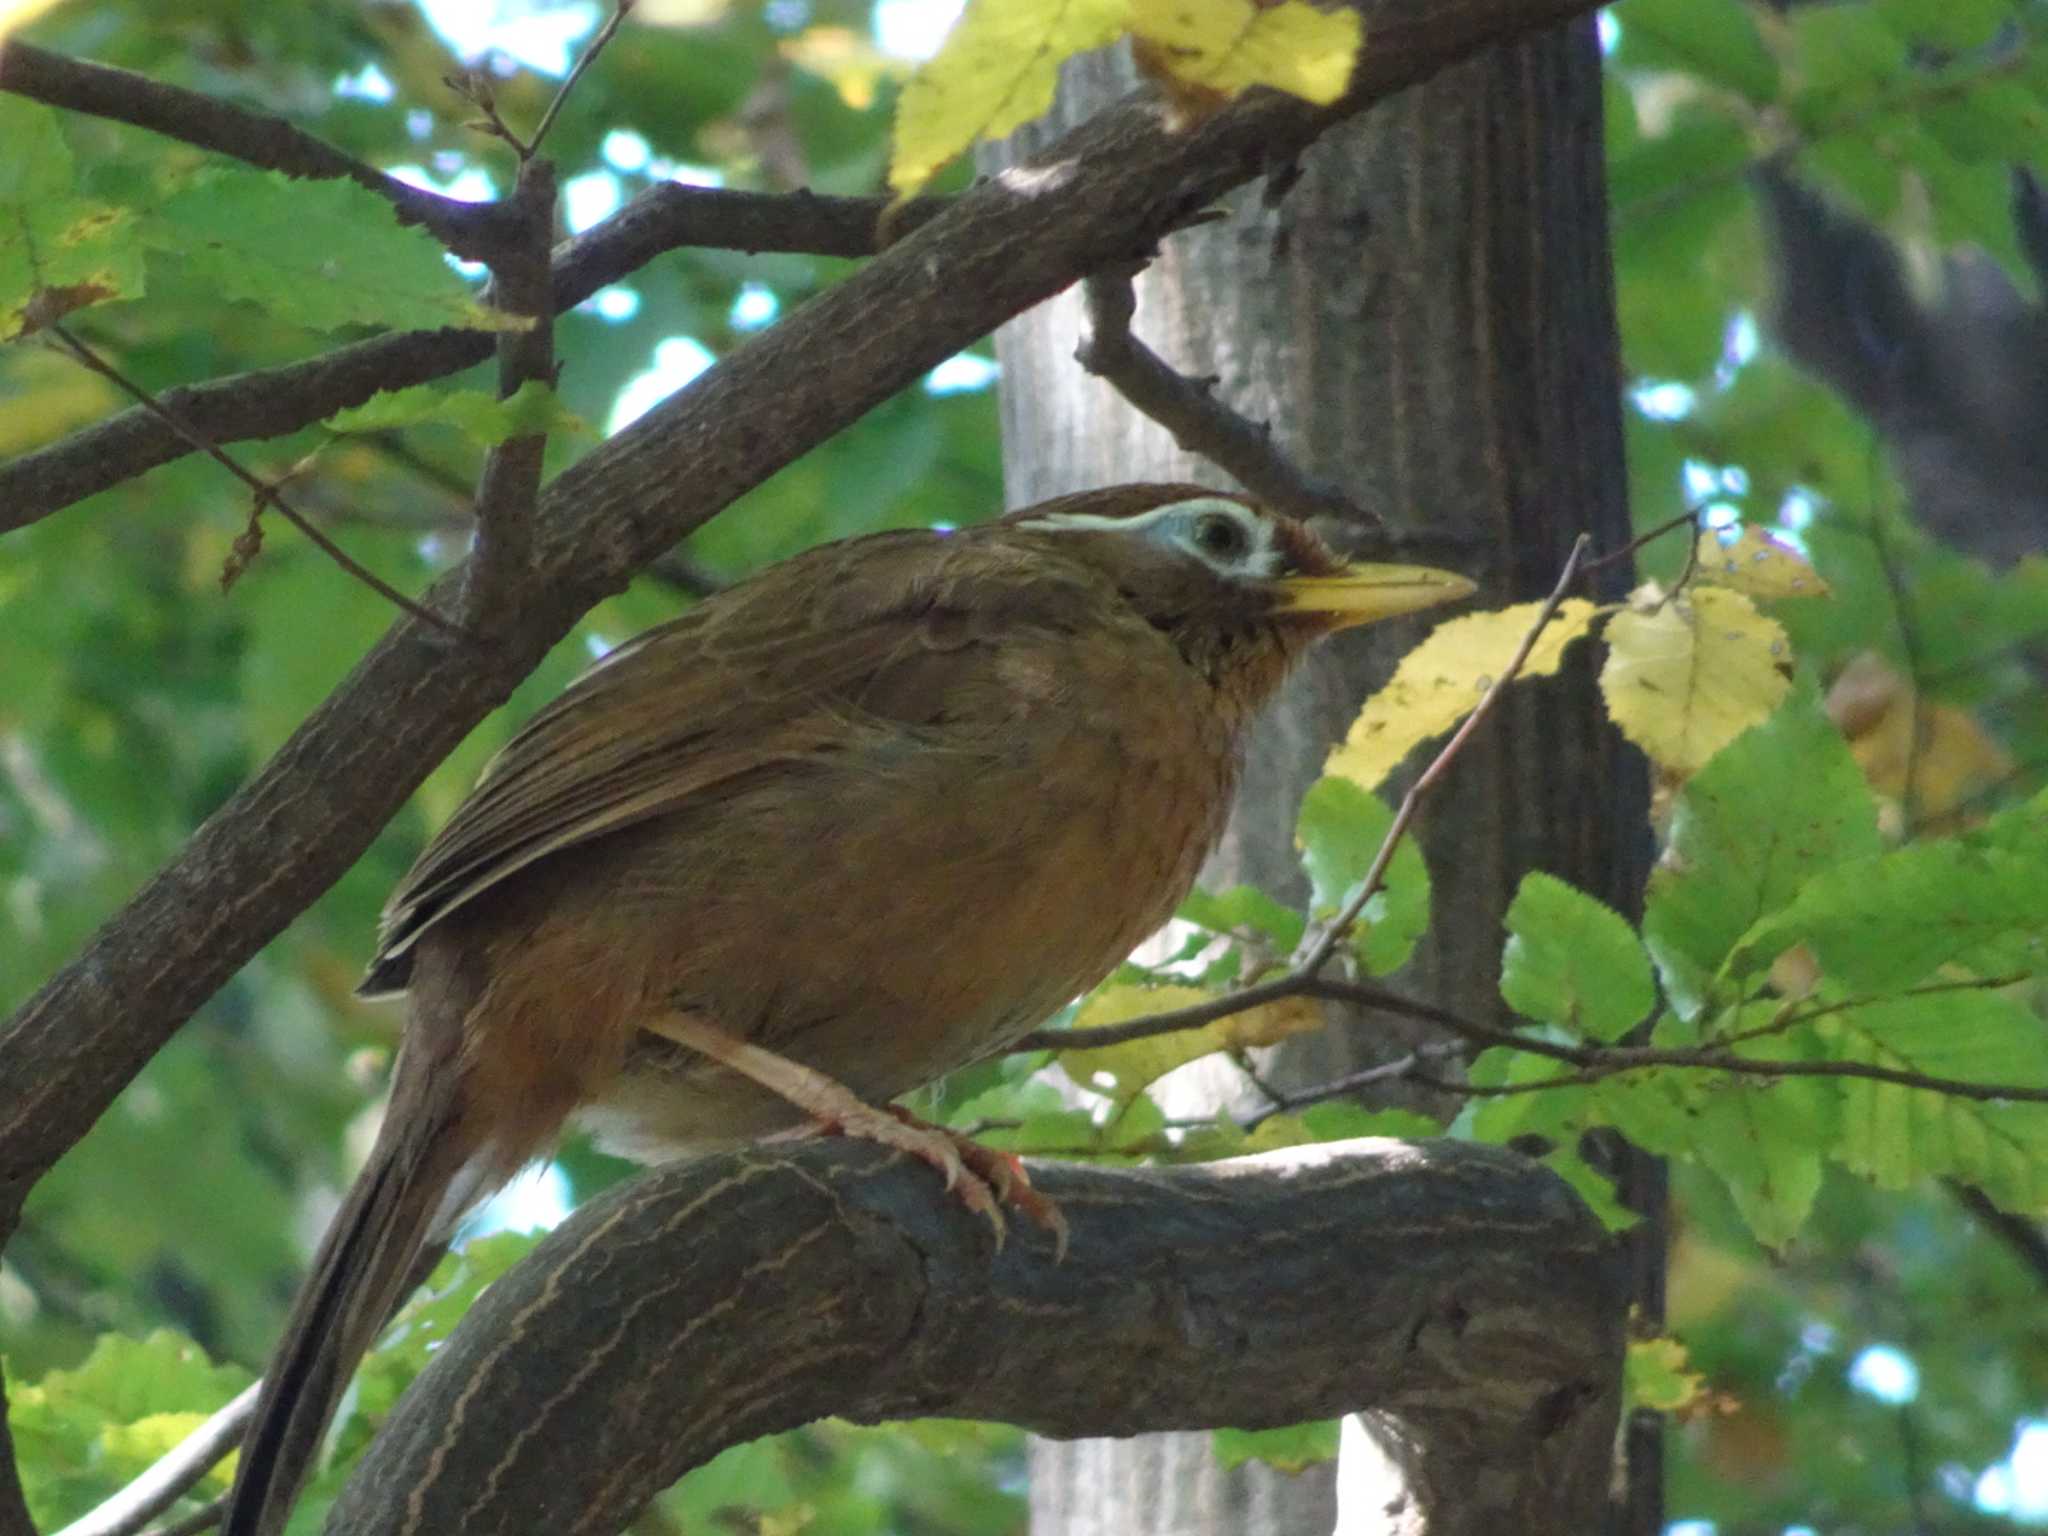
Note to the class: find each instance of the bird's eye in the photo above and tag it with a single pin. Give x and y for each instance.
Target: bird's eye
(1221, 537)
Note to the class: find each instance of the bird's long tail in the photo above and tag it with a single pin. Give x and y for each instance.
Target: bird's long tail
(400, 1204)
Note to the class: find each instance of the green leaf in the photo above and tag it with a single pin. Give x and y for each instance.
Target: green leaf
(59, 252)
(483, 418)
(1593, 1187)
(321, 254)
(1782, 802)
(80, 1434)
(1656, 1377)
(1895, 1135)
(1244, 908)
(1573, 961)
(1715, 40)
(1557, 1114)
(1842, 50)
(1881, 924)
(1748, 1135)
(1290, 1449)
(1340, 832)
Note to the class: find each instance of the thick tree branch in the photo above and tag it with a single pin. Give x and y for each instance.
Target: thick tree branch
(508, 490)
(261, 139)
(1456, 1286)
(272, 402)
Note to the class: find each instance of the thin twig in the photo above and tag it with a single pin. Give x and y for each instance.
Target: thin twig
(1684, 519)
(173, 1474)
(472, 230)
(584, 60)
(1402, 1068)
(1321, 945)
(266, 493)
(1188, 408)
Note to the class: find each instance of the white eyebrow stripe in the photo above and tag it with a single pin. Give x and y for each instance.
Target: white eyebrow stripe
(1194, 504)
(1262, 559)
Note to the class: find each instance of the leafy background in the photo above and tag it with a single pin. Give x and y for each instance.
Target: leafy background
(1859, 1336)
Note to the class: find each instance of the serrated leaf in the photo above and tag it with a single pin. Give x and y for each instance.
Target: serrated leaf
(1655, 1376)
(994, 72)
(481, 416)
(1439, 682)
(81, 1434)
(1573, 961)
(1339, 833)
(1217, 49)
(1685, 678)
(1896, 1135)
(1881, 924)
(1290, 1449)
(321, 254)
(59, 252)
(1122, 1072)
(1757, 565)
(1244, 908)
(1779, 805)
(1749, 1137)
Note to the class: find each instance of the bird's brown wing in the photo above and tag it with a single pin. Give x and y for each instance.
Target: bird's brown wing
(754, 680)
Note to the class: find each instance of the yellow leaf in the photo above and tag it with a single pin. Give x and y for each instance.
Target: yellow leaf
(1935, 753)
(1222, 47)
(843, 56)
(1758, 565)
(19, 13)
(1439, 682)
(994, 72)
(1686, 677)
(1122, 1072)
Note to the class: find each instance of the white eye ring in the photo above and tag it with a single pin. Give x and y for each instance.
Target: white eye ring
(1219, 536)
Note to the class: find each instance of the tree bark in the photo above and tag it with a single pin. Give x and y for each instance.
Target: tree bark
(1446, 1281)
(1427, 319)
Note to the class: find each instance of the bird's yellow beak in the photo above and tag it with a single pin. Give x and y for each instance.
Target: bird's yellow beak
(1365, 594)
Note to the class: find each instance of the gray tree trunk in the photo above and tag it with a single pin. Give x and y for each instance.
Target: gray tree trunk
(1426, 318)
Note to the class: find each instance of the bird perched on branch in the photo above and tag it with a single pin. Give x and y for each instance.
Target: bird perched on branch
(837, 831)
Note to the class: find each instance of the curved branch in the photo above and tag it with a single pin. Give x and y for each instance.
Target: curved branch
(1456, 1286)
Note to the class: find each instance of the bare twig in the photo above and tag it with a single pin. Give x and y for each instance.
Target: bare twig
(584, 60)
(175, 1472)
(1402, 1068)
(266, 494)
(1188, 408)
(1320, 945)
(473, 230)
(272, 402)
(1689, 519)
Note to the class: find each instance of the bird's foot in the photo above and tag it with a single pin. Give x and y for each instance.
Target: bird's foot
(1001, 1172)
(979, 1179)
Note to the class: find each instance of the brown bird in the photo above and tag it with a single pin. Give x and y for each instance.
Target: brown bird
(835, 832)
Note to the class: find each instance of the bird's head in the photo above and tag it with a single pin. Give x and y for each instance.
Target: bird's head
(1242, 589)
